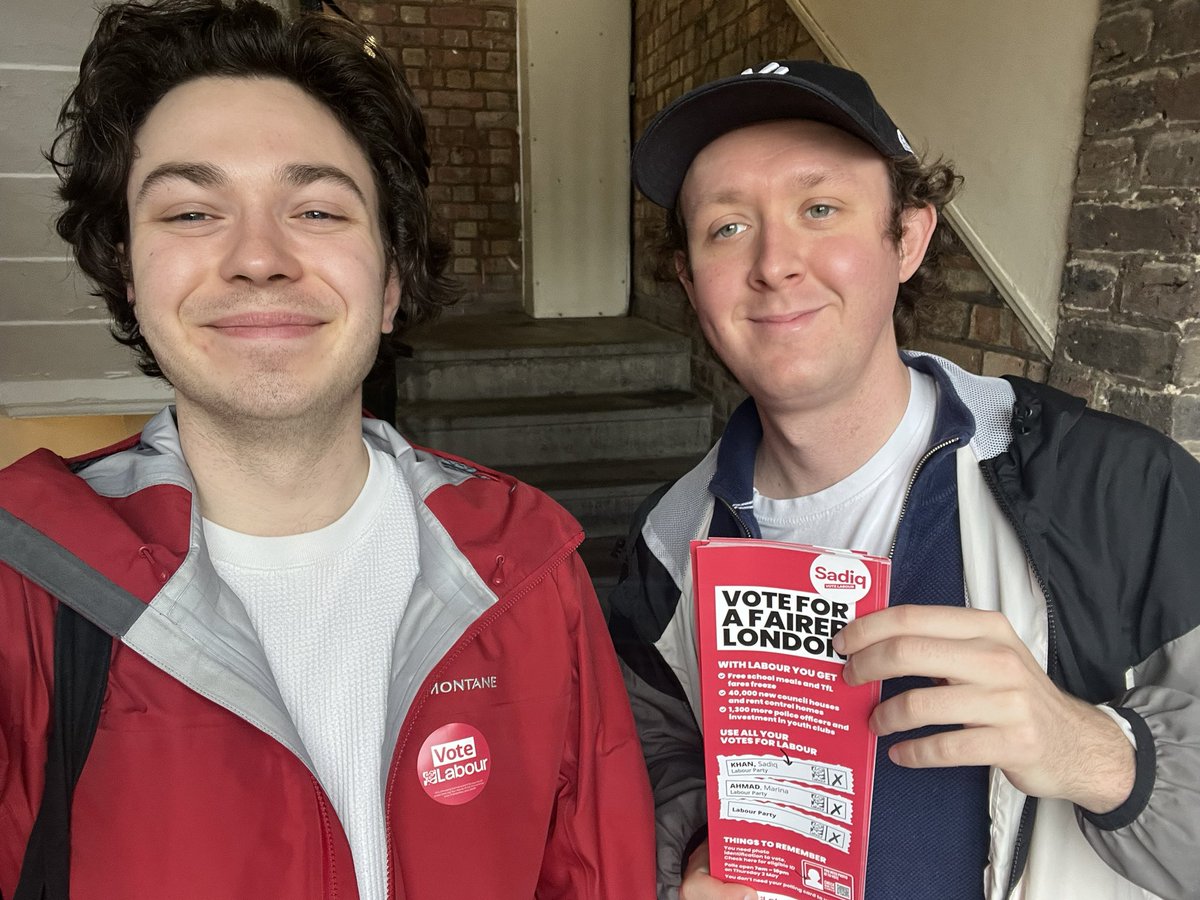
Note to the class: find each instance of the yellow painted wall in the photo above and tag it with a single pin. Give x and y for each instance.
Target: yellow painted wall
(66, 435)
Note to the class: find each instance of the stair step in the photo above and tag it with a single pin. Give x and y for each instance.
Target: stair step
(510, 355)
(548, 430)
(603, 495)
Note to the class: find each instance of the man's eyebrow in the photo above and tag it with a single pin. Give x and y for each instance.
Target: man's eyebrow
(203, 174)
(803, 180)
(208, 175)
(301, 174)
(817, 177)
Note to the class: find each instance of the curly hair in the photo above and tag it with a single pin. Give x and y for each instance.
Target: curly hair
(141, 52)
(914, 185)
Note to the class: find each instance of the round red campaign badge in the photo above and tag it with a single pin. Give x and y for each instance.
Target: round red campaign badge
(454, 764)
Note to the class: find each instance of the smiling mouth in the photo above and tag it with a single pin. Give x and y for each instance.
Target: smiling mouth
(267, 325)
(787, 318)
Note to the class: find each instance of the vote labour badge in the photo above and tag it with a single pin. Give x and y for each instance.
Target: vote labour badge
(454, 764)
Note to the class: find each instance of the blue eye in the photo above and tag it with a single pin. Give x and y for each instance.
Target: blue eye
(316, 215)
(190, 217)
(820, 211)
(730, 230)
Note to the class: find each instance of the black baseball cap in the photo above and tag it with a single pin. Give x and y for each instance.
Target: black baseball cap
(787, 89)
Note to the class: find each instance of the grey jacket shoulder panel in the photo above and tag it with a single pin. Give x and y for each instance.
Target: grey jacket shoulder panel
(678, 518)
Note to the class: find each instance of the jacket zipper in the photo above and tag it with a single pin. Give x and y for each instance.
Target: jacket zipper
(903, 504)
(912, 480)
(481, 625)
(1019, 849)
(327, 836)
(1030, 803)
(737, 518)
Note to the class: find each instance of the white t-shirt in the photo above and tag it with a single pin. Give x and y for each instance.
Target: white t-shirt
(862, 511)
(326, 605)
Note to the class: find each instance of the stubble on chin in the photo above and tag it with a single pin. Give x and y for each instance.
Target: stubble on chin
(271, 403)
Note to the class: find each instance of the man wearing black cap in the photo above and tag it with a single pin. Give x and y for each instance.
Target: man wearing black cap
(1039, 729)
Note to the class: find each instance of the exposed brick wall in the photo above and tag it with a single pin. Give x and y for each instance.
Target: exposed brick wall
(1129, 328)
(973, 326)
(461, 60)
(682, 43)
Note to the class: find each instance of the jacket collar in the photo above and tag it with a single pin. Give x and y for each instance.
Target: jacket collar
(733, 481)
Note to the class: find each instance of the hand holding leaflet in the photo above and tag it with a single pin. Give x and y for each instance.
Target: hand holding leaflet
(1048, 743)
(698, 883)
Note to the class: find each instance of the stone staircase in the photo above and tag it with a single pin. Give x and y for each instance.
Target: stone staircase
(596, 412)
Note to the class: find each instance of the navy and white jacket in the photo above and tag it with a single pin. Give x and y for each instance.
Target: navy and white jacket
(1081, 527)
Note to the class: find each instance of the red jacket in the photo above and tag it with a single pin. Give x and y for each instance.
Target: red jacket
(197, 785)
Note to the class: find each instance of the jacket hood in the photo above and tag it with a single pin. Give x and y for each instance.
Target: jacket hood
(137, 540)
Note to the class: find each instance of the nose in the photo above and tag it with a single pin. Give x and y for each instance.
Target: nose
(779, 257)
(260, 251)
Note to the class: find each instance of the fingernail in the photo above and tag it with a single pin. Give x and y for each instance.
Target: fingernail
(839, 643)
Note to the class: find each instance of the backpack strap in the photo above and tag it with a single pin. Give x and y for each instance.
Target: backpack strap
(81, 658)
(91, 611)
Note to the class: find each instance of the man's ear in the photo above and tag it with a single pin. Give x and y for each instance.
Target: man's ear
(391, 299)
(919, 223)
(683, 271)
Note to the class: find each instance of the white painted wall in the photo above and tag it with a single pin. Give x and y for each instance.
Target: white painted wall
(574, 70)
(56, 355)
(998, 86)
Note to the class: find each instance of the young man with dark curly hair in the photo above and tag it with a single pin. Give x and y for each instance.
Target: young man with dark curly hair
(1039, 729)
(344, 666)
